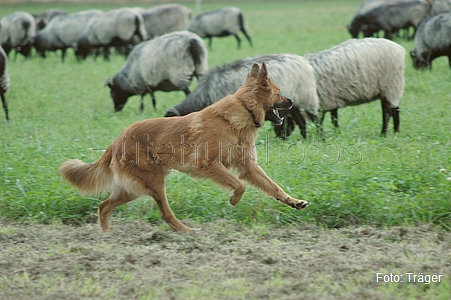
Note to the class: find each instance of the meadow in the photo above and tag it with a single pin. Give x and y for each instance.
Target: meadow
(351, 177)
(62, 110)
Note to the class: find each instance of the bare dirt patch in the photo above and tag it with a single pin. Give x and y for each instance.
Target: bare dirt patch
(138, 260)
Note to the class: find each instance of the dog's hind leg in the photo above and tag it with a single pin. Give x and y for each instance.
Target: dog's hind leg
(118, 197)
(155, 188)
(255, 175)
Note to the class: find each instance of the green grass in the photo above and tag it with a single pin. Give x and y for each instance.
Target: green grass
(61, 110)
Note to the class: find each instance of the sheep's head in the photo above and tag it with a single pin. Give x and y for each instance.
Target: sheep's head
(172, 112)
(82, 48)
(418, 61)
(118, 95)
(353, 29)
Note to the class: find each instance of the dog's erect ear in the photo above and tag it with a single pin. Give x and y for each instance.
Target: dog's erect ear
(263, 74)
(254, 71)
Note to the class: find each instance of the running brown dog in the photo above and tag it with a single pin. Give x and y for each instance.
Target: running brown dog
(203, 144)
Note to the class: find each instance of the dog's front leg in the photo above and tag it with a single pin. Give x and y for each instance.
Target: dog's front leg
(255, 175)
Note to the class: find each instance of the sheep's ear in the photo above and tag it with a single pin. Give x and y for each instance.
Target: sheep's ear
(108, 83)
(413, 54)
(254, 71)
(263, 74)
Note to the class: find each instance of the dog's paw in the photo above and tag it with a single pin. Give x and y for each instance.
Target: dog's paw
(234, 199)
(299, 204)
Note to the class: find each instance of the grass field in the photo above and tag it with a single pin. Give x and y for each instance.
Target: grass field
(61, 110)
(353, 177)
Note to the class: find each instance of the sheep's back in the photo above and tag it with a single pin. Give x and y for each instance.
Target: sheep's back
(166, 18)
(215, 22)
(165, 57)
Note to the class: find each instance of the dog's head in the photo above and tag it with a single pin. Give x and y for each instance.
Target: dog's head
(267, 94)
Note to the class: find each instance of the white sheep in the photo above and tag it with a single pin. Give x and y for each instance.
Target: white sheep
(360, 71)
(166, 63)
(63, 31)
(17, 31)
(113, 28)
(222, 22)
(4, 80)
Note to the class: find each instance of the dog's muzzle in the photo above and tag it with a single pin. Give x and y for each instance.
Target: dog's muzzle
(273, 113)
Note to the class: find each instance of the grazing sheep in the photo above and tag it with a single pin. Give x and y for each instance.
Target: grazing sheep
(44, 18)
(357, 72)
(292, 73)
(4, 80)
(440, 6)
(433, 39)
(166, 63)
(16, 32)
(223, 22)
(389, 16)
(165, 18)
(63, 31)
(114, 28)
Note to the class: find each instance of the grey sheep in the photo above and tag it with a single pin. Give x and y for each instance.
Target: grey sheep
(114, 28)
(63, 31)
(439, 6)
(389, 16)
(4, 80)
(44, 18)
(292, 73)
(223, 22)
(17, 31)
(433, 39)
(165, 18)
(357, 72)
(166, 63)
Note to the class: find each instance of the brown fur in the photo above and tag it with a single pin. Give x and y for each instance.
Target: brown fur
(203, 144)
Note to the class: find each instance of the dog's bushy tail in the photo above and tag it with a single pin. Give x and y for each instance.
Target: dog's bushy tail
(91, 178)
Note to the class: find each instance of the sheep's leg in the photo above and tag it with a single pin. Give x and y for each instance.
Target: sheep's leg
(386, 112)
(285, 129)
(238, 40)
(154, 102)
(300, 120)
(290, 125)
(106, 53)
(334, 117)
(5, 105)
(63, 54)
(141, 107)
(280, 130)
(395, 114)
(210, 40)
(243, 30)
(319, 123)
